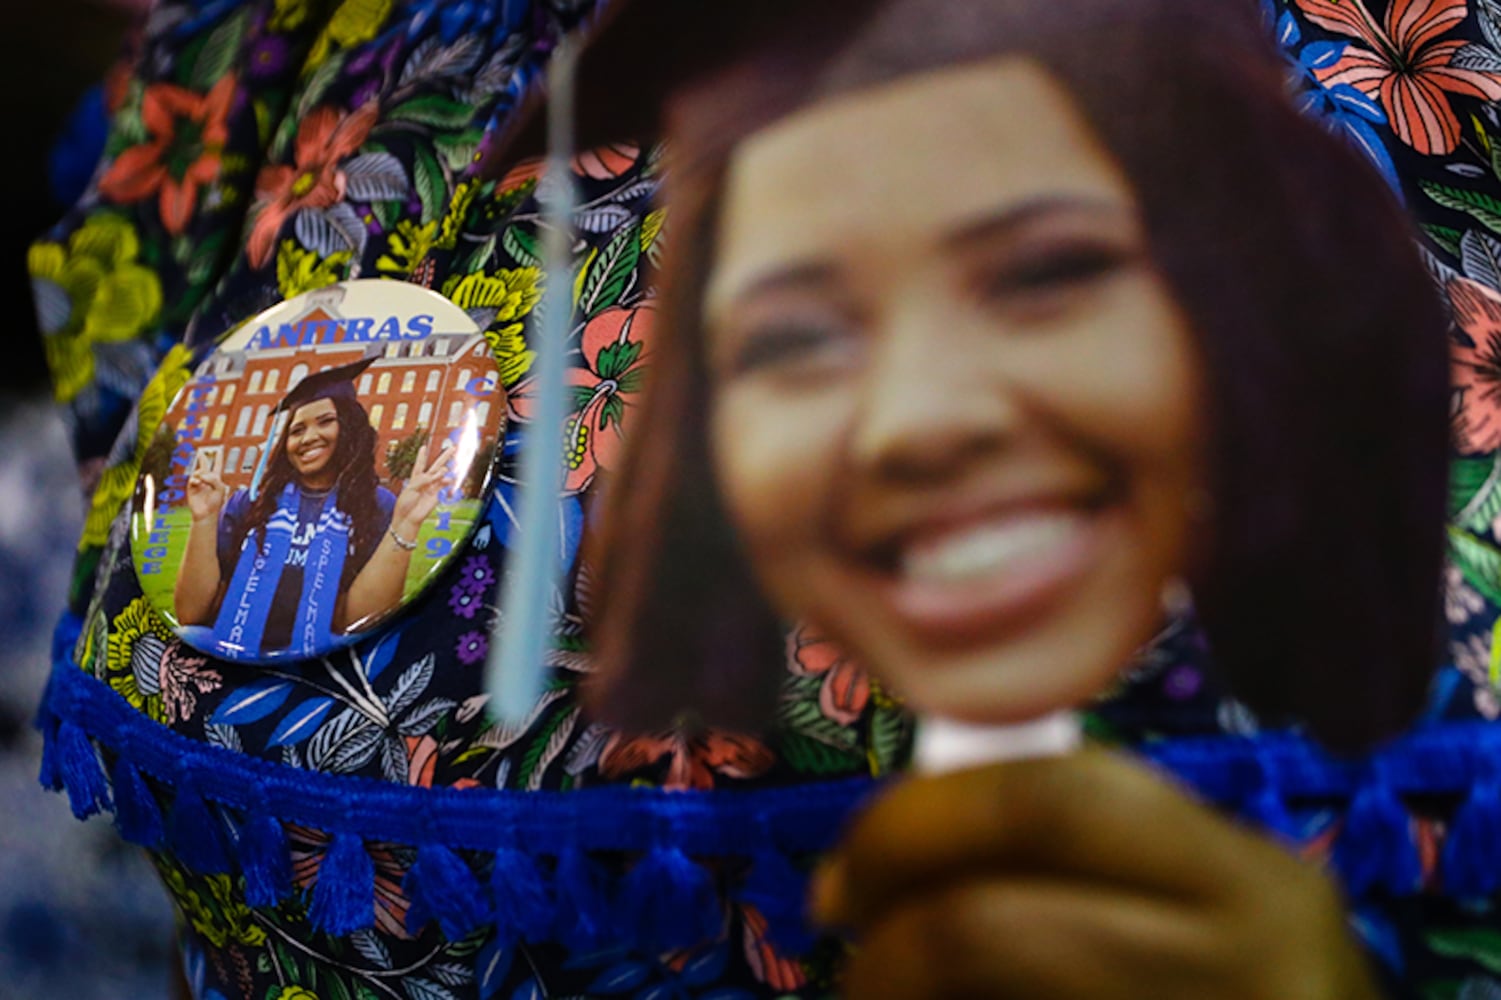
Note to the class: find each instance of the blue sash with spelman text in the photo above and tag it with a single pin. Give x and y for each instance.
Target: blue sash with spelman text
(257, 574)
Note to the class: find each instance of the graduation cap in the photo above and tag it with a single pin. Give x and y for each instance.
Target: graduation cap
(327, 384)
(332, 383)
(640, 52)
(639, 55)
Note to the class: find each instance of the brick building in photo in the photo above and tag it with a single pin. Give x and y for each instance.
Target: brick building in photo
(429, 384)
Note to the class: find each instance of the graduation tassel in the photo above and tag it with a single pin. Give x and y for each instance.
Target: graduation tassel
(264, 859)
(76, 763)
(447, 890)
(138, 817)
(779, 890)
(524, 907)
(669, 901)
(584, 904)
(195, 834)
(344, 895)
(1472, 849)
(516, 662)
(1375, 846)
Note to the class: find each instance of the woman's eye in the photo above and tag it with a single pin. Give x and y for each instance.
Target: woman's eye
(790, 349)
(1053, 271)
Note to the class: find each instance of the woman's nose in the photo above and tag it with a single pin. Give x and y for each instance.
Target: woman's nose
(929, 408)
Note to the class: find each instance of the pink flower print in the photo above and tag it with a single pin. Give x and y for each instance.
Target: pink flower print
(187, 132)
(183, 678)
(1476, 369)
(324, 140)
(767, 963)
(606, 162)
(694, 761)
(615, 346)
(1402, 63)
(846, 685)
(422, 757)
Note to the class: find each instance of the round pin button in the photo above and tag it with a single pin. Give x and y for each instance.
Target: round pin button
(318, 470)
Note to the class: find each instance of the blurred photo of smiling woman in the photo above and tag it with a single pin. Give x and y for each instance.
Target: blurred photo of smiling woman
(990, 326)
(315, 546)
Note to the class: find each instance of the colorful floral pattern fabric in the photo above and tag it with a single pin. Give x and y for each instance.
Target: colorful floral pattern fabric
(270, 147)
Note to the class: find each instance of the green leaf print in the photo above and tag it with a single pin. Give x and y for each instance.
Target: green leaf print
(616, 358)
(610, 271)
(219, 51)
(458, 148)
(316, 86)
(387, 213)
(805, 719)
(1475, 492)
(1446, 990)
(1445, 237)
(432, 109)
(811, 756)
(431, 187)
(521, 244)
(336, 989)
(285, 960)
(1482, 207)
(538, 747)
(889, 740)
(1482, 946)
(1480, 562)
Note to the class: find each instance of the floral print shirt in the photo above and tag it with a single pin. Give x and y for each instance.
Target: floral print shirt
(263, 148)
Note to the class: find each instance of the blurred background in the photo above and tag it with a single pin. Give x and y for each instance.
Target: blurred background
(82, 916)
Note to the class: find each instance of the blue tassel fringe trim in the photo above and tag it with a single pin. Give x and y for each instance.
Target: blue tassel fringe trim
(529, 863)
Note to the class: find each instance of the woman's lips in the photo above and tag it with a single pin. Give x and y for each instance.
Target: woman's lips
(988, 577)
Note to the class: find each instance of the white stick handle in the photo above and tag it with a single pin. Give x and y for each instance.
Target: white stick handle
(945, 745)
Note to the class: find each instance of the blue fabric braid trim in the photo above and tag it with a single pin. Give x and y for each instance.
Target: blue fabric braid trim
(543, 842)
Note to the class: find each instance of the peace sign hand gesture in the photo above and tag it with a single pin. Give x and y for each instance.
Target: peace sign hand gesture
(206, 492)
(420, 494)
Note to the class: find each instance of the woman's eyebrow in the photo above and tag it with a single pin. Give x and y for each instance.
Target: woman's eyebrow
(1003, 222)
(797, 275)
(792, 276)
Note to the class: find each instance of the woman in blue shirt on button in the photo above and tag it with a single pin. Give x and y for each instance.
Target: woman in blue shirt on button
(246, 570)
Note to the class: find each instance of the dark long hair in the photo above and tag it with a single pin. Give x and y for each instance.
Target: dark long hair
(1323, 342)
(354, 456)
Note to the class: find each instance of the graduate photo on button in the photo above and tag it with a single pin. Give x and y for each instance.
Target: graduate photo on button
(310, 480)
(315, 542)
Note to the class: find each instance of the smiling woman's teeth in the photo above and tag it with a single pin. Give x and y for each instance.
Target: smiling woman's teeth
(987, 549)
